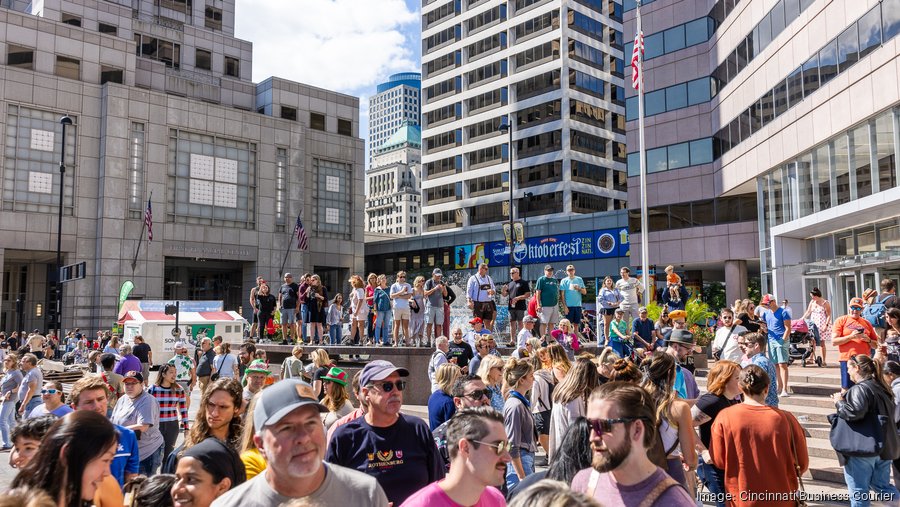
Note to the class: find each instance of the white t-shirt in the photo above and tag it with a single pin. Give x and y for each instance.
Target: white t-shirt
(629, 289)
(522, 338)
(732, 351)
(401, 303)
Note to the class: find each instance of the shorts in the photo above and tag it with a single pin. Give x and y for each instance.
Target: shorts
(542, 422)
(516, 315)
(363, 314)
(778, 352)
(549, 314)
(255, 319)
(288, 315)
(186, 385)
(608, 311)
(846, 383)
(401, 314)
(434, 315)
(485, 310)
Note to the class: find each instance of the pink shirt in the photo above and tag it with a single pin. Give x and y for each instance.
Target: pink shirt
(433, 496)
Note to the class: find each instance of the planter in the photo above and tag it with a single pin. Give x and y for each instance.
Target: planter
(701, 361)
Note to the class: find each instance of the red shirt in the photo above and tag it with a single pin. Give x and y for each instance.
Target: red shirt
(532, 307)
(370, 296)
(846, 325)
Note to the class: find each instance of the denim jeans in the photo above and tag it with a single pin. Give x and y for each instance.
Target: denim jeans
(870, 473)
(383, 321)
(169, 430)
(33, 403)
(303, 316)
(334, 331)
(151, 463)
(527, 465)
(714, 480)
(7, 421)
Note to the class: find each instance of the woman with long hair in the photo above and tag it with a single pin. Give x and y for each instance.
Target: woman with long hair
(870, 398)
(440, 404)
(172, 405)
(321, 364)
(316, 301)
(490, 371)
(609, 299)
(73, 459)
(337, 397)
(756, 445)
(359, 309)
(334, 318)
(663, 325)
(369, 292)
(573, 457)
(417, 318)
(723, 390)
(747, 316)
(565, 336)
(254, 462)
(542, 400)
(9, 386)
(518, 377)
(225, 362)
(570, 400)
(819, 311)
(559, 361)
(673, 416)
(112, 347)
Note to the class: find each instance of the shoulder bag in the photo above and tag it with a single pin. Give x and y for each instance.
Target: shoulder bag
(863, 437)
(717, 354)
(800, 494)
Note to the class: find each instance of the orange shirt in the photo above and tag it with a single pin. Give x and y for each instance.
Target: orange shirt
(109, 493)
(846, 325)
(752, 444)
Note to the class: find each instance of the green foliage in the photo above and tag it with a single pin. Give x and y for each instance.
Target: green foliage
(754, 289)
(714, 295)
(654, 310)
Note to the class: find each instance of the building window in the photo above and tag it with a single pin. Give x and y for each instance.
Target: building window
(587, 113)
(532, 27)
(590, 144)
(213, 18)
(68, 67)
(542, 204)
(317, 121)
(136, 171)
(111, 75)
(212, 180)
(232, 67)
(540, 174)
(332, 210)
(159, 50)
(345, 127)
(539, 144)
(203, 59)
(71, 19)
(105, 28)
(31, 166)
(538, 85)
(281, 176)
(539, 114)
(587, 203)
(21, 57)
(289, 113)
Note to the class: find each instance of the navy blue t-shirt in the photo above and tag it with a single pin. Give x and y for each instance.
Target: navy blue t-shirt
(644, 329)
(402, 457)
(440, 408)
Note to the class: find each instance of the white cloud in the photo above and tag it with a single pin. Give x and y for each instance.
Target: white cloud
(342, 45)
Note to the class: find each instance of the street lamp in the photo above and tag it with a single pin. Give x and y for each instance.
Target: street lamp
(507, 127)
(64, 121)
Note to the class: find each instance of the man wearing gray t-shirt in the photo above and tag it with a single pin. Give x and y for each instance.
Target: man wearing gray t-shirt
(291, 436)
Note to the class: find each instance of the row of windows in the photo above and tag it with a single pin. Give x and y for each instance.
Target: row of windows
(781, 15)
(880, 24)
(437, 15)
(676, 38)
(485, 19)
(488, 156)
(674, 97)
(443, 141)
(613, 8)
(537, 54)
(586, 83)
(595, 58)
(859, 240)
(158, 49)
(719, 211)
(487, 99)
(674, 156)
(591, 27)
(432, 42)
(536, 85)
(438, 65)
(483, 128)
(491, 184)
(537, 25)
(591, 203)
(443, 167)
(482, 47)
(23, 58)
(540, 174)
(592, 174)
(436, 90)
(588, 143)
(450, 112)
(541, 113)
(538, 144)
(492, 70)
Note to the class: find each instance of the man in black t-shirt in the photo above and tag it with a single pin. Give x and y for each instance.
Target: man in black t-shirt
(460, 352)
(144, 354)
(518, 291)
(288, 303)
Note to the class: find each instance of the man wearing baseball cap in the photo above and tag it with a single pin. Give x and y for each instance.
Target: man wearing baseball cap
(853, 335)
(778, 322)
(546, 293)
(291, 436)
(138, 411)
(435, 292)
(396, 449)
(477, 332)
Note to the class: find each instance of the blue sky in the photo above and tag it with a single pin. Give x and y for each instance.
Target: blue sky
(344, 45)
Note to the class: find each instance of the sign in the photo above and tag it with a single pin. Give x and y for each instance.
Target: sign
(158, 305)
(124, 291)
(72, 272)
(602, 244)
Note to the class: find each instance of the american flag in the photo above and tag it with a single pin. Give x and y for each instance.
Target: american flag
(300, 232)
(148, 221)
(637, 54)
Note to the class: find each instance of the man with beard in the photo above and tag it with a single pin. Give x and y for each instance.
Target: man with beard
(479, 453)
(290, 434)
(623, 428)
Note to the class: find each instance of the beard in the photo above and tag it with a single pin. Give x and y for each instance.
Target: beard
(612, 458)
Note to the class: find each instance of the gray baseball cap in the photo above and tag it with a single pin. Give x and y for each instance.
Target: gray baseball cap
(280, 399)
(379, 370)
(529, 318)
(437, 271)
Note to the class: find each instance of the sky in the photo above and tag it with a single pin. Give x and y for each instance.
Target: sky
(347, 46)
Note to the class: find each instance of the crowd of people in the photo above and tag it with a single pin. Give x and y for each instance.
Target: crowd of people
(628, 425)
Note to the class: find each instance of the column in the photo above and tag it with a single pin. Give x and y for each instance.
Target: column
(735, 280)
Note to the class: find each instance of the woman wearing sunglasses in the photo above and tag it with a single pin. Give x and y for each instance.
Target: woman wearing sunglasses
(518, 378)
(51, 395)
(852, 335)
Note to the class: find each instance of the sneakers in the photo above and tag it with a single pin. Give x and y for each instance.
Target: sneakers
(784, 394)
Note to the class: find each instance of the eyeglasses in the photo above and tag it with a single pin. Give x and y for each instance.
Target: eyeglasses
(479, 394)
(743, 344)
(49, 391)
(499, 447)
(389, 386)
(401, 277)
(601, 426)
(727, 317)
(856, 308)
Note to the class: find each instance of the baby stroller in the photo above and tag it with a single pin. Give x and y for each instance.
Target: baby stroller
(803, 344)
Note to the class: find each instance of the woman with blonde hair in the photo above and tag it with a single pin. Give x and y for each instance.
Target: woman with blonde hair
(337, 397)
(559, 361)
(564, 334)
(359, 309)
(322, 363)
(724, 389)
(542, 400)
(491, 373)
(292, 367)
(440, 405)
(417, 312)
(254, 462)
(570, 400)
(518, 377)
(609, 299)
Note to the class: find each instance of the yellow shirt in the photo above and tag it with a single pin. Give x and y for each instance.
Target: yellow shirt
(254, 463)
(109, 493)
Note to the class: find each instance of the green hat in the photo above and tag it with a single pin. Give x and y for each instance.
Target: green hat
(336, 375)
(258, 366)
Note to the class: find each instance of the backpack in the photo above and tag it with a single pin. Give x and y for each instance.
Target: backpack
(382, 300)
(874, 312)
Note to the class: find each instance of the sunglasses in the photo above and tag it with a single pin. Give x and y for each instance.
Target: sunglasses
(601, 426)
(499, 447)
(389, 386)
(49, 391)
(857, 308)
(479, 394)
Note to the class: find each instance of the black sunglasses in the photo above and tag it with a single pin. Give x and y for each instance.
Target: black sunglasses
(601, 426)
(479, 394)
(389, 386)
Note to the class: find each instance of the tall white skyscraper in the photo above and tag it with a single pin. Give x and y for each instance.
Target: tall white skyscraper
(555, 68)
(396, 101)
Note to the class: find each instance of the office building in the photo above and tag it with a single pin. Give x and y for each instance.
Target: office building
(396, 101)
(394, 199)
(772, 134)
(163, 111)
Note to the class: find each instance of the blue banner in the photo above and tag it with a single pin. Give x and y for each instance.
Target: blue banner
(600, 244)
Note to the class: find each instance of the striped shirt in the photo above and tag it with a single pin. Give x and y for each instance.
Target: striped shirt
(171, 403)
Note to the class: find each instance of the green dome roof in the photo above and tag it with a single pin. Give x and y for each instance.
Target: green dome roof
(406, 134)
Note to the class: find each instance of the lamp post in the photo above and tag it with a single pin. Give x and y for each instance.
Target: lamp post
(64, 121)
(507, 127)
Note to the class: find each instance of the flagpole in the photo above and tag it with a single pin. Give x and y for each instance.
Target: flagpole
(140, 238)
(287, 251)
(645, 264)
